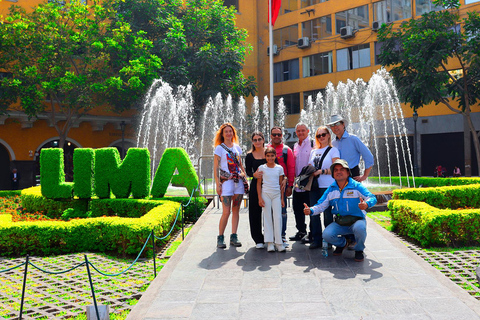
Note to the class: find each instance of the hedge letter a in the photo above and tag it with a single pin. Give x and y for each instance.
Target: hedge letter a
(174, 158)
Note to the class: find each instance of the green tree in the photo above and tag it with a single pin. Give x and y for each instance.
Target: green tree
(198, 42)
(67, 59)
(435, 58)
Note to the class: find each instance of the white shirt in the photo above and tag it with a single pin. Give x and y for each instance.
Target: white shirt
(324, 180)
(271, 178)
(227, 163)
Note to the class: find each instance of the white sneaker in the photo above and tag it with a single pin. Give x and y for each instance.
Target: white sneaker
(270, 247)
(260, 246)
(280, 247)
(285, 243)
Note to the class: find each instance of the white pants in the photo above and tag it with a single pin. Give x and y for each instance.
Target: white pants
(272, 217)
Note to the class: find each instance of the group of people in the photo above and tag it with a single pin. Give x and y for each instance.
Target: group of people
(329, 169)
(441, 172)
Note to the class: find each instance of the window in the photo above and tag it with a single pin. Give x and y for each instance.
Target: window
(288, 6)
(356, 18)
(353, 57)
(313, 94)
(291, 101)
(286, 37)
(392, 10)
(317, 28)
(285, 70)
(59, 2)
(424, 6)
(230, 3)
(471, 1)
(307, 3)
(378, 48)
(317, 64)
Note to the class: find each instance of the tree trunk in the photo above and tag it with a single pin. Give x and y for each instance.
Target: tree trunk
(467, 149)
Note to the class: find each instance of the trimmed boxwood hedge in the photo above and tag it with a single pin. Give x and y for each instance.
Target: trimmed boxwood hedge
(431, 182)
(10, 193)
(53, 176)
(124, 236)
(443, 197)
(83, 167)
(431, 226)
(33, 201)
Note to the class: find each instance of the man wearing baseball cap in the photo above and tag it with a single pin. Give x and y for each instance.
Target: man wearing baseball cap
(349, 199)
(351, 147)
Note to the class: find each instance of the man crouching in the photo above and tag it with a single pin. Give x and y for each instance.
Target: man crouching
(349, 199)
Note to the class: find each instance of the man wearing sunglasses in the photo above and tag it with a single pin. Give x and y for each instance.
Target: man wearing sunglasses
(287, 161)
(351, 148)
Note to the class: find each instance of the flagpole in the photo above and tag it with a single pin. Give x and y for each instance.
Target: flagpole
(270, 56)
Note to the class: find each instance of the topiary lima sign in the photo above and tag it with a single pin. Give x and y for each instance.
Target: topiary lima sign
(101, 172)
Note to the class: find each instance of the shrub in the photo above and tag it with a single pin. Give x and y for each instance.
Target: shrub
(431, 226)
(431, 182)
(10, 193)
(53, 176)
(83, 165)
(121, 235)
(443, 197)
(132, 175)
(33, 201)
(174, 159)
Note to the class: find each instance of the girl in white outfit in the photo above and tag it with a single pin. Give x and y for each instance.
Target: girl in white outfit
(269, 191)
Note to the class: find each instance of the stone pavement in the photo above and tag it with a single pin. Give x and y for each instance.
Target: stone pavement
(203, 282)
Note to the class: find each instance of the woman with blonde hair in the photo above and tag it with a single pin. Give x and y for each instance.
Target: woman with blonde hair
(230, 180)
(321, 157)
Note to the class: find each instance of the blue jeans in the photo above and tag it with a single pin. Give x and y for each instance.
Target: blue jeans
(358, 229)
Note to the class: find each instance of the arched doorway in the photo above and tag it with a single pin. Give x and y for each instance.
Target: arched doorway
(127, 143)
(67, 157)
(4, 168)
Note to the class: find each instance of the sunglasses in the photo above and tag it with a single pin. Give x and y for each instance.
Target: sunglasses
(321, 135)
(257, 140)
(336, 124)
(276, 134)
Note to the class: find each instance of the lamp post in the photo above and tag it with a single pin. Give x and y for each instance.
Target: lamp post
(122, 127)
(415, 165)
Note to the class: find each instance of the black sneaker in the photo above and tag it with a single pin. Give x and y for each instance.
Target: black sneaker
(338, 250)
(315, 245)
(299, 236)
(359, 257)
(306, 239)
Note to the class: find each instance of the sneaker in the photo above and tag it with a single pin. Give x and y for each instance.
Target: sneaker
(234, 240)
(315, 245)
(306, 239)
(260, 245)
(359, 257)
(338, 250)
(285, 243)
(299, 236)
(221, 242)
(270, 247)
(280, 247)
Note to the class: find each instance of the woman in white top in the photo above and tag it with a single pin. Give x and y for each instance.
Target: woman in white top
(321, 158)
(229, 175)
(269, 190)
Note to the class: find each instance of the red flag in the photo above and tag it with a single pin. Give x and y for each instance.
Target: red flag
(276, 4)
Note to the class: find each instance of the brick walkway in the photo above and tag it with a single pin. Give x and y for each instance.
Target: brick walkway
(203, 282)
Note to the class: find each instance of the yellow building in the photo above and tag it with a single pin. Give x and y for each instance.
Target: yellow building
(319, 41)
(316, 42)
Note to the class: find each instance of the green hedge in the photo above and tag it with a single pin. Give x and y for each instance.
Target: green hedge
(443, 197)
(430, 182)
(10, 193)
(53, 176)
(33, 201)
(125, 236)
(83, 167)
(431, 226)
(130, 176)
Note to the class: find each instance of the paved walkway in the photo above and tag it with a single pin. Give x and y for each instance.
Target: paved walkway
(203, 282)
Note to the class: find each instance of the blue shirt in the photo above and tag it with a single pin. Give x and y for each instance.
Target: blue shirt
(351, 148)
(345, 202)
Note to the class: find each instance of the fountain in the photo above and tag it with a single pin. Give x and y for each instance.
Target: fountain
(372, 108)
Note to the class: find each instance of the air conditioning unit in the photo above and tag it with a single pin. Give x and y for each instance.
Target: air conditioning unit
(303, 43)
(275, 50)
(346, 32)
(376, 25)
